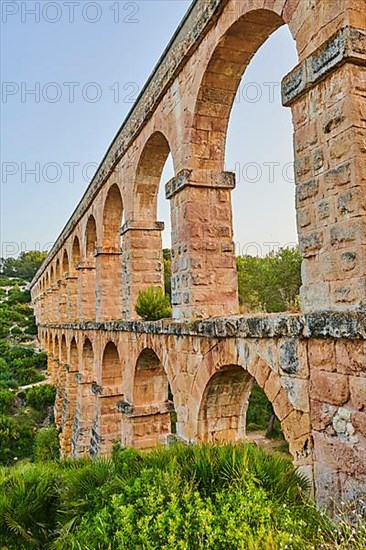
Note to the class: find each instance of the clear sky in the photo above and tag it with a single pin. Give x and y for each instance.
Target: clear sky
(70, 74)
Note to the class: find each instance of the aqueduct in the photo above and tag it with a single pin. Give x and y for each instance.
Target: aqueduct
(117, 377)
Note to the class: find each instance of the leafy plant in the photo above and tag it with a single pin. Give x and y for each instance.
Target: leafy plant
(46, 445)
(152, 304)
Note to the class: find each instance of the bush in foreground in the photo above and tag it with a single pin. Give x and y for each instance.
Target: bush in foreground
(188, 497)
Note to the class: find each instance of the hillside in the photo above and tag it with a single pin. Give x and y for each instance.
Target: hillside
(24, 411)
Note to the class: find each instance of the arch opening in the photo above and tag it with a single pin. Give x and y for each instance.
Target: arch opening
(58, 270)
(74, 356)
(223, 408)
(112, 218)
(238, 104)
(65, 263)
(87, 365)
(63, 350)
(76, 252)
(235, 408)
(90, 236)
(148, 175)
(154, 415)
(111, 367)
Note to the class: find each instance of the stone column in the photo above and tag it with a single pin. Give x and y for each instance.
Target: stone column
(86, 290)
(60, 392)
(85, 413)
(108, 284)
(52, 367)
(68, 410)
(72, 297)
(145, 427)
(142, 262)
(109, 422)
(204, 277)
(325, 94)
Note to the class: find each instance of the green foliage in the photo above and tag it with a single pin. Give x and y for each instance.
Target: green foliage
(6, 400)
(25, 266)
(21, 365)
(188, 497)
(46, 445)
(152, 304)
(16, 439)
(40, 397)
(272, 283)
(167, 261)
(28, 501)
(260, 412)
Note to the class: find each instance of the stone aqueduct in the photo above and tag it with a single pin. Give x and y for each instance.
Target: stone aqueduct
(117, 377)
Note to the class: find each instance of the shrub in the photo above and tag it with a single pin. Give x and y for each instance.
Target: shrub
(6, 400)
(40, 397)
(46, 445)
(152, 304)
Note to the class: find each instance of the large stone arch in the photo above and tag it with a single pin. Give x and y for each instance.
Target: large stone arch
(223, 408)
(231, 55)
(142, 251)
(56, 347)
(220, 370)
(148, 420)
(87, 276)
(108, 259)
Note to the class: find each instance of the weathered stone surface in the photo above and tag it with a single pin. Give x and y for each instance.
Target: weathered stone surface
(329, 387)
(359, 422)
(358, 392)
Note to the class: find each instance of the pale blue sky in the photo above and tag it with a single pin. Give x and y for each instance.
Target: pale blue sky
(118, 52)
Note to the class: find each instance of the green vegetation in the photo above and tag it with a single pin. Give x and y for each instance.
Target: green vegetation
(260, 415)
(167, 261)
(25, 266)
(270, 284)
(152, 304)
(22, 412)
(189, 497)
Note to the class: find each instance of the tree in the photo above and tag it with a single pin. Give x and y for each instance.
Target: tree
(25, 266)
(167, 261)
(272, 283)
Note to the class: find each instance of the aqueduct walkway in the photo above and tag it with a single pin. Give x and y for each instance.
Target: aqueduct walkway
(118, 378)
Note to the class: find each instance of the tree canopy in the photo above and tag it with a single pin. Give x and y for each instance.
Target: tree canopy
(25, 266)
